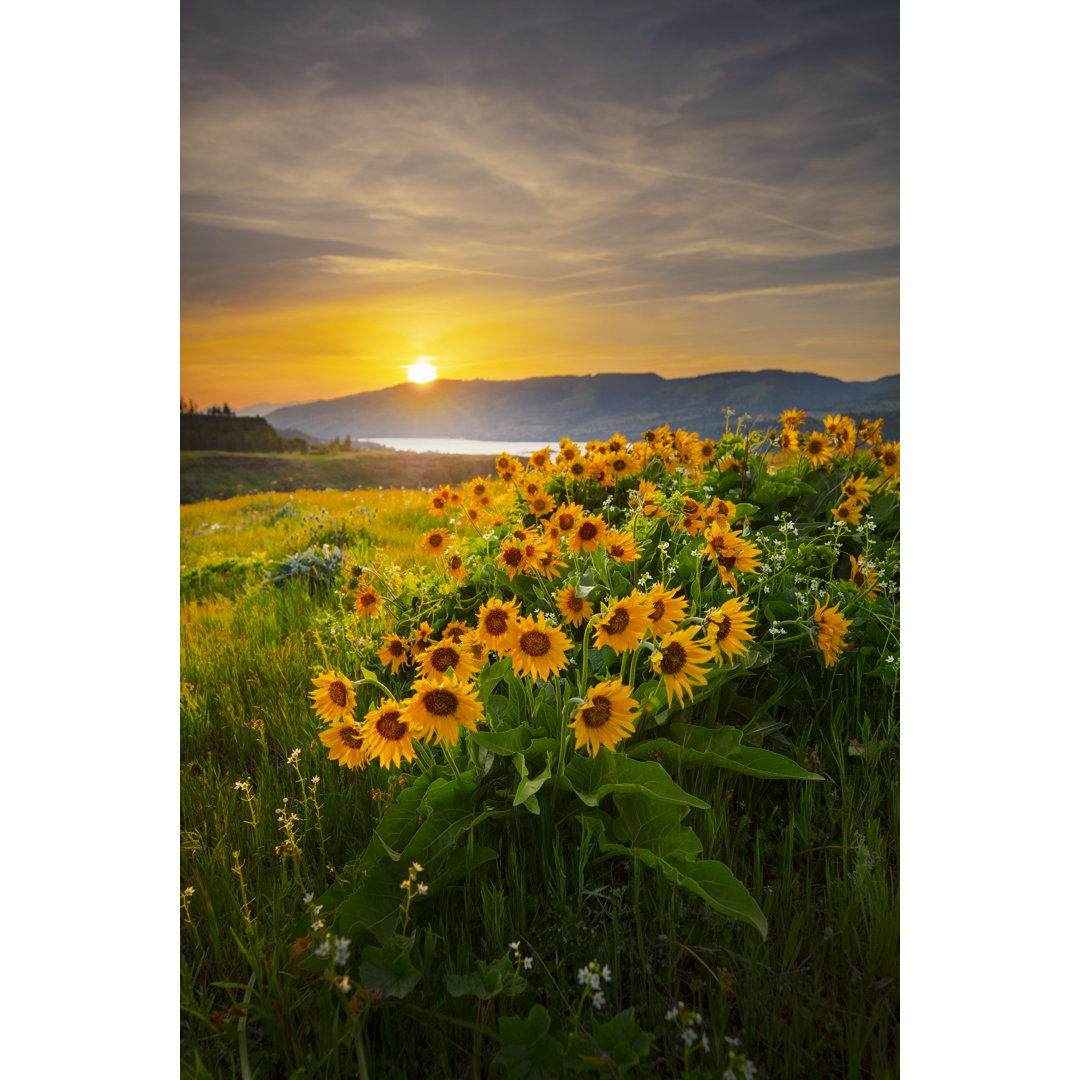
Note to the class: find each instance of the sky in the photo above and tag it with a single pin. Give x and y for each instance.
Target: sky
(521, 189)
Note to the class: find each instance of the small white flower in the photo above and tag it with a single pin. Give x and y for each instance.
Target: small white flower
(421, 888)
(527, 962)
(598, 999)
(606, 973)
(308, 897)
(671, 1013)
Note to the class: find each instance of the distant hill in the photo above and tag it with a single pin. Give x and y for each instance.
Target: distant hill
(589, 406)
(236, 433)
(264, 408)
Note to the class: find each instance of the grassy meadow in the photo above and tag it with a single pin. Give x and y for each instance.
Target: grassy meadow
(590, 766)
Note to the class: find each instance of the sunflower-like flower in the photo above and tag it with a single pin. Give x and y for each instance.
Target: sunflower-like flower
(438, 503)
(678, 661)
(439, 708)
(387, 735)
(623, 623)
(395, 652)
(849, 511)
(788, 441)
(718, 510)
(869, 432)
(863, 576)
(793, 418)
(512, 557)
(857, 487)
(549, 562)
(507, 463)
(831, 628)
(890, 458)
(455, 564)
(345, 743)
(435, 541)
(732, 552)
(456, 631)
(333, 697)
(494, 620)
(421, 638)
(577, 469)
(541, 504)
(621, 546)
(440, 656)
(537, 649)
(587, 534)
(567, 517)
(367, 601)
(606, 717)
(817, 449)
(665, 609)
(540, 459)
(575, 609)
(728, 629)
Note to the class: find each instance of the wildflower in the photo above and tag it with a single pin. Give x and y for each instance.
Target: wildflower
(395, 652)
(536, 649)
(512, 557)
(438, 708)
(863, 576)
(341, 951)
(367, 601)
(494, 620)
(435, 541)
(441, 656)
(421, 639)
(575, 609)
(817, 449)
(678, 662)
(333, 697)
(857, 488)
(527, 963)
(623, 624)
(606, 717)
(387, 736)
(727, 629)
(831, 628)
(455, 564)
(620, 546)
(890, 458)
(793, 418)
(847, 511)
(345, 743)
(587, 534)
(664, 609)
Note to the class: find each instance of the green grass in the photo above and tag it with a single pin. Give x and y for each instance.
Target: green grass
(215, 474)
(819, 997)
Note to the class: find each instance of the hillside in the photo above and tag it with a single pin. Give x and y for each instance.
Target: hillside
(214, 475)
(589, 406)
(235, 433)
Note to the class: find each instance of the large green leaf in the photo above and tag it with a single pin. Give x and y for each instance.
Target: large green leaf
(527, 789)
(487, 981)
(505, 743)
(594, 777)
(528, 1052)
(390, 968)
(723, 747)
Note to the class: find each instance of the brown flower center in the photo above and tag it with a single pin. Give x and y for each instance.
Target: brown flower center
(619, 464)
(440, 702)
(350, 736)
(455, 633)
(445, 657)
(455, 562)
(587, 531)
(717, 542)
(513, 556)
(674, 659)
(657, 611)
(577, 468)
(368, 599)
(617, 622)
(690, 507)
(889, 458)
(535, 643)
(814, 447)
(566, 522)
(435, 540)
(575, 603)
(390, 727)
(858, 578)
(395, 648)
(721, 627)
(495, 622)
(728, 561)
(598, 714)
(616, 551)
(337, 694)
(540, 504)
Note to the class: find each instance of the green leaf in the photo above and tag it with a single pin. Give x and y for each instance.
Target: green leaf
(527, 789)
(390, 968)
(723, 747)
(487, 981)
(621, 1039)
(505, 743)
(746, 510)
(528, 1052)
(491, 674)
(643, 822)
(594, 777)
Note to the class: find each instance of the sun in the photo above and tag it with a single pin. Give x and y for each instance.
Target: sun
(421, 370)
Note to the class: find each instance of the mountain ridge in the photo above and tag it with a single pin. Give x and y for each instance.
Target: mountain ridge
(547, 407)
